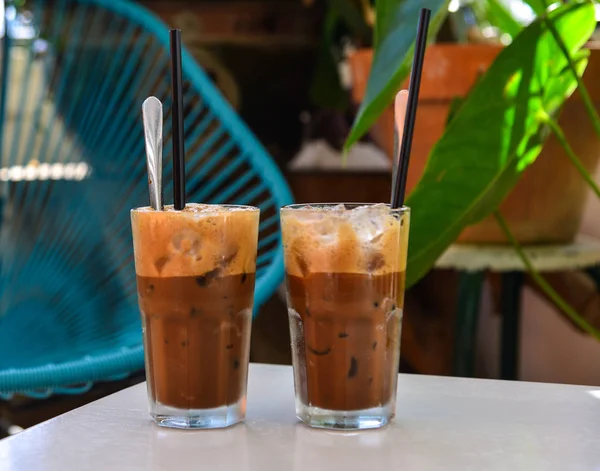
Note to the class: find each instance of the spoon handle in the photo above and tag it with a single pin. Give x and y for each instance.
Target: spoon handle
(152, 114)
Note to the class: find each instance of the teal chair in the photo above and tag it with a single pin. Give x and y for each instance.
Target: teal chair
(74, 76)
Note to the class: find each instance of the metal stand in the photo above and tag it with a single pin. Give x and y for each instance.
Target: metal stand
(467, 314)
(510, 307)
(473, 261)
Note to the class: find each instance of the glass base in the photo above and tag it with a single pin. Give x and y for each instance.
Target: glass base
(218, 417)
(375, 417)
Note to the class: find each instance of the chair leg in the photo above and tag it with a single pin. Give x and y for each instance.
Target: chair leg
(512, 287)
(10, 429)
(6, 427)
(467, 315)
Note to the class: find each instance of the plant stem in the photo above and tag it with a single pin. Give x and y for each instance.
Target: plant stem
(585, 95)
(556, 129)
(368, 12)
(543, 284)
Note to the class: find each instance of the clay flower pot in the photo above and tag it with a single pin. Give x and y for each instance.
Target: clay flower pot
(547, 203)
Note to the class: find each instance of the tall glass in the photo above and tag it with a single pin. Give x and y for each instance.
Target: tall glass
(195, 277)
(345, 269)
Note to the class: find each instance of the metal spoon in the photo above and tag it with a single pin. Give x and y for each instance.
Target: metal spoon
(152, 114)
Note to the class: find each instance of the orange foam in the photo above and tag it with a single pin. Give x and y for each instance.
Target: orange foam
(326, 241)
(197, 240)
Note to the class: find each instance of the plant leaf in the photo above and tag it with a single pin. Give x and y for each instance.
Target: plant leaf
(326, 88)
(538, 6)
(455, 105)
(395, 31)
(500, 17)
(495, 134)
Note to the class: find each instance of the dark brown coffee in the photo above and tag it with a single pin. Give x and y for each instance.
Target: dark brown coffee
(351, 324)
(197, 334)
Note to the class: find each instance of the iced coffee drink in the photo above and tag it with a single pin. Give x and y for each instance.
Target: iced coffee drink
(195, 276)
(345, 269)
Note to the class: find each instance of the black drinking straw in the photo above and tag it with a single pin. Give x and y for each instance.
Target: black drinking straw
(399, 177)
(177, 120)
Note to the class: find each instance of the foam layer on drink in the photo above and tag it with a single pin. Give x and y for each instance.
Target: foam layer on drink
(334, 239)
(198, 240)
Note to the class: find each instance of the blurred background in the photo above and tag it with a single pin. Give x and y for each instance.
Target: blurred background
(291, 100)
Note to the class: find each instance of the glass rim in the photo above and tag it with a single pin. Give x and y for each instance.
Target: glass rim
(296, 206)
(230, 206)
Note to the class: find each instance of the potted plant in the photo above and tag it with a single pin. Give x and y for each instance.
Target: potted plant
(490, 127)
(536, 211)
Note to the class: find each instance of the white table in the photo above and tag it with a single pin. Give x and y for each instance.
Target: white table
(442, 424)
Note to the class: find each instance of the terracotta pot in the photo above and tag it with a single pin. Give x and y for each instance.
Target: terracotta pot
(547, 203)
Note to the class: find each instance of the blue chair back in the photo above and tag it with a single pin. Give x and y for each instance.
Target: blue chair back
(74, 76)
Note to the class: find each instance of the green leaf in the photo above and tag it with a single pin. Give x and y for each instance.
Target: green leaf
(395, 31)
(326, 89)
(455, 105)
(458, 101)
(500, 17)
(495, 134)
(538, 6)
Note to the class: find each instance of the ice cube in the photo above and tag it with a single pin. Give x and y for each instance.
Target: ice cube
(328, 230)
(186, 242)
(322, 223)
(302, 264)
(227, 256)
(305, 216)
(369, 222)
(375, 261)
(160, 263)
